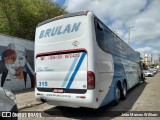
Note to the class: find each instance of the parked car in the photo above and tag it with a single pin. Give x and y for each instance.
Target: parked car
(154, 70)
(148, 73)
(7, 104)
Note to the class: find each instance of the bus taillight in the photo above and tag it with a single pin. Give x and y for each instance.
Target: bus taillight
(90, 80)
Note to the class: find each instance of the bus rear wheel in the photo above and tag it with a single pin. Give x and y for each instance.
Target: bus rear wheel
(117, 95)
(124, 91)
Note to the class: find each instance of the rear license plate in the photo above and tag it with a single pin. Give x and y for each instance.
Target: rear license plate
(58, 90)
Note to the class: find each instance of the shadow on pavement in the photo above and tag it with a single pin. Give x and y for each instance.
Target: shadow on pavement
(23, 91)
(106, 111)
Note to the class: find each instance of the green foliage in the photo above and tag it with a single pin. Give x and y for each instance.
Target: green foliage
(20, 17)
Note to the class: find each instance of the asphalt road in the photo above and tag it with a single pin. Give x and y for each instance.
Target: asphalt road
(143, 97)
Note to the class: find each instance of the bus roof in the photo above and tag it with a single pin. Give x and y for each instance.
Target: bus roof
(63, 16)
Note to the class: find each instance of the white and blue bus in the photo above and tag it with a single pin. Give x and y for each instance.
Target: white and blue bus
(80, 62)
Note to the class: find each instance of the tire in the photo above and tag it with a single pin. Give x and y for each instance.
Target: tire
(117, 95)
(124, 91)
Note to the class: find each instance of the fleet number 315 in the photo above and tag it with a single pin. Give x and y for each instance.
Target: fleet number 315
(43, 83)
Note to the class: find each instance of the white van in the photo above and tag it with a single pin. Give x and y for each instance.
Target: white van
(79, 62)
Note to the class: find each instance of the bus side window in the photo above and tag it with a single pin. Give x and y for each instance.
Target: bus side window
(99, 26)
(100, 35)
(110, 39)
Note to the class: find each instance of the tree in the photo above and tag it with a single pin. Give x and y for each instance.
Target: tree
(20, 17)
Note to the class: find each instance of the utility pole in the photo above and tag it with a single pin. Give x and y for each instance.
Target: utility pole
(129, 29)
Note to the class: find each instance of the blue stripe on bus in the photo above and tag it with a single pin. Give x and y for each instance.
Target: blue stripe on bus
(76, 70)
(119, 71)
(70, 71)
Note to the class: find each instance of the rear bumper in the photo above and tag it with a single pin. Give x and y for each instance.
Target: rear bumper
(72, 91)
(70, 100)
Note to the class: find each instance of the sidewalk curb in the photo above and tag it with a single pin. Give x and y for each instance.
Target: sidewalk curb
(29, 105)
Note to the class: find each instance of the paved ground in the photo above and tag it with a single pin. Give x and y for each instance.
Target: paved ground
(25, 99)
(143, 97)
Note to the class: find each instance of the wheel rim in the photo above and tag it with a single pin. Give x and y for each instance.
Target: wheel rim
(117, 93)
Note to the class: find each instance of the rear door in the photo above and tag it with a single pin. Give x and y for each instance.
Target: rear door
(62, 71)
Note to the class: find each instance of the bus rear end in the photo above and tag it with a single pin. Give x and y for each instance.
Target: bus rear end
(62, 73)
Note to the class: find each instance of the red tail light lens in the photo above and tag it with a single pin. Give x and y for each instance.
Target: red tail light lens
(90, 80)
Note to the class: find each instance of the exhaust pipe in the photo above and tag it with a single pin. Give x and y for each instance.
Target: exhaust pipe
(43, 100)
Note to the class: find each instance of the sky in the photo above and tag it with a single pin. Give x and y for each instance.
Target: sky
(141, 16)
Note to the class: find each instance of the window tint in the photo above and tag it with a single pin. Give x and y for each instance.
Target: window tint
(123, 52)
(110, 38)
(111, 43)
(100, 36)
(104, 37)
(117, 46)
